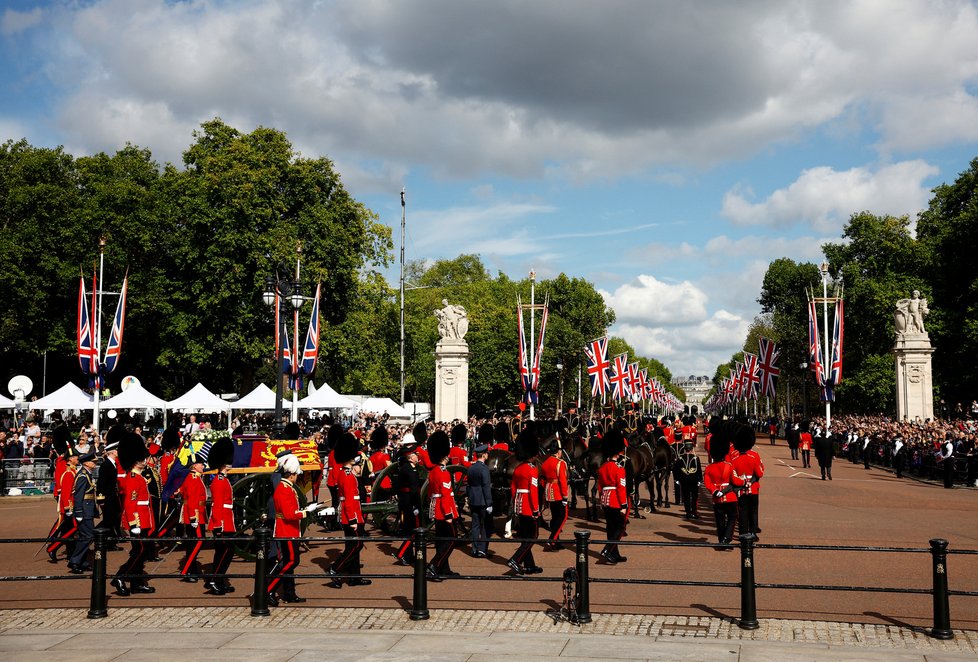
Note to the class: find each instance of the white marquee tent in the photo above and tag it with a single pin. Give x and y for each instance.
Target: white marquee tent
(68, 396)
(6, 403)
(382, 405)
(261, 397)
(199, 399)
(325, 397)
(134, 397)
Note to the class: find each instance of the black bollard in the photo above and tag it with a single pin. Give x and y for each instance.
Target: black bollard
(419, 610)
(582, 539)
(96, 606)
(942, 610)
(259, 602)
(748, 604)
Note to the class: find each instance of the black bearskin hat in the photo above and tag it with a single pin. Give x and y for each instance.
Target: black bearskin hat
(379, 438)
(485, 434)
(459, 433)
(222, 453)
(715, 423)
(61, 439)
(114, 436)
(333, 435)
(420, 433)
(346, 448)
(527, 444)
(804, 426)
(501, 432)
(719, 447)
(132, 449)
(612, 443)
(291, 431)
(170, 440)
(743, 437)
(439, 446)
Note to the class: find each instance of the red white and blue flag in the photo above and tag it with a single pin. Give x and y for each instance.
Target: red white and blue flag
(835, 370)
(752, 376)
(767, 365)
(539, 354)
(310, 352)
(598, 365)
(525, 380)
(114, 350)
(87, 356)
(815, 349)
(282, 345)
(634, 385)
(619, 378)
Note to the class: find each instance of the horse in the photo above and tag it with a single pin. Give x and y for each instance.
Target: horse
(650, 460)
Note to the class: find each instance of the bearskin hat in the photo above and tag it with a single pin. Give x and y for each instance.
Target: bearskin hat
(333, 435)
(485, 434)
(291, 431)
(804, 426)
(501, 433)
(743, 437)
(61, 439)
(420, 432)
(439, 445)
(346, 448)
(527, 443)
(459, 433)
(379, 437)
(114, 436)
(170, 440)
(612, 443)
(132, 449)
(222, 453)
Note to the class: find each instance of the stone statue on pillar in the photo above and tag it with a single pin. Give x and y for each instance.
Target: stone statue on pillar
(452, 364)
(912, 353)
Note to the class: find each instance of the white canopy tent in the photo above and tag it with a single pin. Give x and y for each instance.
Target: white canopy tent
(325, 397)
(199, 399)
(261, 397)
(6, 403)
(382, 405)
(134, 397)
(68, 396)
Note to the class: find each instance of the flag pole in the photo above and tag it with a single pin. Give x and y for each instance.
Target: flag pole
(533, 282)
(295, 346)
(824, 267)
(97, 349)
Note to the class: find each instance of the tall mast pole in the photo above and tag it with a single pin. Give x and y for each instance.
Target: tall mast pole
(296, 354)
(403, 213)
(97, 350)
(827, 359)
(533, 282)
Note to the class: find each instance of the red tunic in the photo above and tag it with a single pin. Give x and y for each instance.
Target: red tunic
(288, 515)
(442, 504)
(349, 489)
(136, 508)
(805, 441)
(554, 475)
(611, 481)
(66, 487)
(749, 467)
(60, 464)
(424, 459)
(718, 476)
(689, 433)
(222, 505)
(378, 462)
(502, 445)
(194, 509)
(459, 457)
(526, 490)
(165, 463)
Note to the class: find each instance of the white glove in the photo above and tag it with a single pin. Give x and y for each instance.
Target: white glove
(312, 506)
(135, 530)
(488, 510)
(193, 525)
(416, 512)
(79, 518)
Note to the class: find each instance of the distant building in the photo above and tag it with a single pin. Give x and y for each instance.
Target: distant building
(696, 387)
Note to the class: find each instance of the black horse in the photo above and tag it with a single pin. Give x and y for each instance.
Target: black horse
(650, 461)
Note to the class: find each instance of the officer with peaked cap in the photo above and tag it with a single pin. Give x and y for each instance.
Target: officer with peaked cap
(107, 484)
(85, 509)
(221, 522)
(480, 495)
(614, 496)
(442, 507)
(351, 516)
(525, 490)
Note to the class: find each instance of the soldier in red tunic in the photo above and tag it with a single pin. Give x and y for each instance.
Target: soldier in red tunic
(421, 439)
(526, 501)
(288, 524)
(501, 436)
(193, 517)
(721, 481)
(169, 508)
(221, 522)
(137, 516)
(442, 508)
(65, 526)
(614, 497)
(351, 515)
(749, 468)
(556, 493)
(380, 459)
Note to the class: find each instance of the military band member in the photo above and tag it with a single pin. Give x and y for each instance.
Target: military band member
(408, 497)
(221, 522)
(688, 474)
(614, 496)
(722, 483)
(65, 527)
(193, 517)
(526, 502)
(750, 469)
(351, 515)
(553, 474)
(288, 524)
(85, 510)
(137, 514)
(442, 508)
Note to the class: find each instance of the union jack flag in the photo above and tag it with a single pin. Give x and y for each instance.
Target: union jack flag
(634, 386)
(87, 355)
(835, 372)
(751, 375)
(114, 350)
(536, 358)
(282, 345)
(619, 378)
(768, 354)
(814, 346)
(598, 365)
(528, 394)
(310, 353)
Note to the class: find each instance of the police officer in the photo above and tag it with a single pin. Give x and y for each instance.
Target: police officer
(85, 510)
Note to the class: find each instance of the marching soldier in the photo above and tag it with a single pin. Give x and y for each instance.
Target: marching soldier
(408, 497)
(351, 514)
(480, 495)
(688, 474)
(288, 524)
(169, 509)
(750, 469)
(721, 482)
(556, 492)
(110, 475)
(614, 496)
(501, 436)
(221, 522)
(442, 507)
(85, 510)
(193, 517)
(380, 459)
(526, 502)
(66, 526)
(137, 514)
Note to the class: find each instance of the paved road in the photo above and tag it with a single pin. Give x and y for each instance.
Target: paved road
(857, 508)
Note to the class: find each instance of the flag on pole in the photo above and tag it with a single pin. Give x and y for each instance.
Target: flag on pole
(815, 348)
(524, 367)
(310, 352)
(767, 357)
(835, 372)
(752, 376)
(536, 358)
(114, 349)
(86, 332)
(619, 378)
(598, 365)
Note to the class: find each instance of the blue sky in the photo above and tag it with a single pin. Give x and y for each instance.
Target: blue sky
(665, 151)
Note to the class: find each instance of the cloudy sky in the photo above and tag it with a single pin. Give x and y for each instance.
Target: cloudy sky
(665, 151)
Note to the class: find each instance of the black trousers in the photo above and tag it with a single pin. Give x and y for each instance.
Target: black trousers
(527, 529)
(141, 549)
(283, 572)
(443, 548)
(726, 517)
(65, 527)
(691, 497)
(348, 562)
(223, 554)
(558, 517)
(806, 458)
(409, 522)
(481, 525)
(189, 563)
(616, 529)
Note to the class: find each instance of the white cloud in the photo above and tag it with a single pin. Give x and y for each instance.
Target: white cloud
(824, 198)
(652, 302)
(499, 230)
(13, 22)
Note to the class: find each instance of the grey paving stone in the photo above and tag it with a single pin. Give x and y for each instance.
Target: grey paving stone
(643, 648)
(193, 640)
(496, 643)
(364, 642)
(66, 656)
(31, 642)
(157, 654)
(317, 656)
(773, 652)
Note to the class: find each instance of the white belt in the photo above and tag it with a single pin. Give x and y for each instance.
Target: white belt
(606, 489)
(522, 491)
(229, 506)
(356, 498)
(142, 503)
(435, 496)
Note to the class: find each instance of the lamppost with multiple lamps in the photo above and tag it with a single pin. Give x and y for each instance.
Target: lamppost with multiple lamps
(282, 288)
